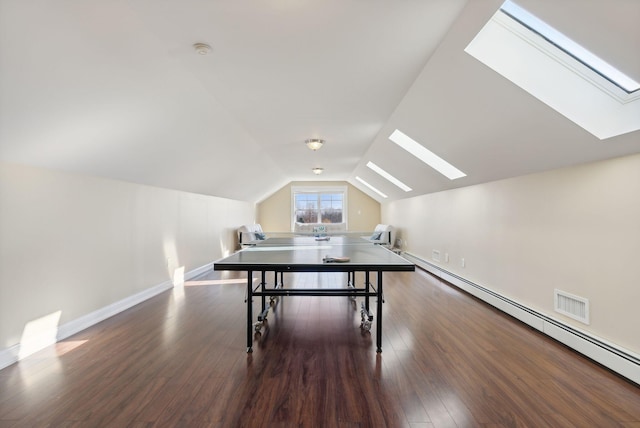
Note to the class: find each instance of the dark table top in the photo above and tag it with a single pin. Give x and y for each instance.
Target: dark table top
(308, 254)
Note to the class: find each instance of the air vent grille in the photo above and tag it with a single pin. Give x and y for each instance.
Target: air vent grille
(572, 306)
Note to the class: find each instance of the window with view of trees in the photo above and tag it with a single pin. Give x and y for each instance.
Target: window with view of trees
(319, 206)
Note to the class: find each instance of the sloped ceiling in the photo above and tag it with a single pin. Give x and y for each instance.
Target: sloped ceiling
(115, 89)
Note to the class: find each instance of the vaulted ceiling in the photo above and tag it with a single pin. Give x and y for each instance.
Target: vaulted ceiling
(116, 89)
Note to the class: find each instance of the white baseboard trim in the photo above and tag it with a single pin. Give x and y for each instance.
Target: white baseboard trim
(75, 326)
(12, 355)
(9, 356)
(615, 358)
(198, 271)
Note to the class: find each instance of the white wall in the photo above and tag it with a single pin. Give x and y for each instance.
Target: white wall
(71, 245)
(576, 229)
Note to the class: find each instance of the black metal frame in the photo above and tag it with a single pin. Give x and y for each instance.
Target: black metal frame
(278, 290)
(360, 257)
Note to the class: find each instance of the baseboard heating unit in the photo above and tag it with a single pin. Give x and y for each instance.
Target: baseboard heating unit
(609, 355)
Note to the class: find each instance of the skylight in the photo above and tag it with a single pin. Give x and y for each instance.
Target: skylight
(388, 176)
(570, 47)
(426, 156)
(371, 187)
(558, 72)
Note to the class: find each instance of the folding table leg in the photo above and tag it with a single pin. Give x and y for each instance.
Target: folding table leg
(249, 311)
(365, 313)
(262, 288)
(379, 314)
(368, 288)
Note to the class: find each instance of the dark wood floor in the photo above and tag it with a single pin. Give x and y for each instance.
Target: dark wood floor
(179, 359)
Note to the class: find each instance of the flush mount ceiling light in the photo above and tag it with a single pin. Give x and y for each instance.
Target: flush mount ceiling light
(202, 48)
(314, 143)
(317, 171)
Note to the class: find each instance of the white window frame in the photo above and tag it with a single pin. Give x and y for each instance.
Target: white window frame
(576, 91)
(319, 190)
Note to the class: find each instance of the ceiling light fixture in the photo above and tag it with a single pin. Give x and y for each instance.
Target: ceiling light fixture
(314, 143)
(202, 48)
(371, 187)
(317, 170)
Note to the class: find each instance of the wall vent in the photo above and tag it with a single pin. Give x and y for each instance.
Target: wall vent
(435, 255)
(620, 360)
(572, 306)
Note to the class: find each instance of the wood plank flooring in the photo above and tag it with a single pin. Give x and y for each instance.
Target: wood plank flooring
(448, 360)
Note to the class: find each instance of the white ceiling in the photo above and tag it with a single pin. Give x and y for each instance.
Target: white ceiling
(115, 89)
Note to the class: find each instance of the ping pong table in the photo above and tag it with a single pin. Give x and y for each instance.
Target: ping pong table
(349, 254)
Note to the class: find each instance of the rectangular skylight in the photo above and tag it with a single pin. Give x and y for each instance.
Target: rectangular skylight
(426, 156)
(388, 176)
(547, 71)
(570, 47)
(371, 187)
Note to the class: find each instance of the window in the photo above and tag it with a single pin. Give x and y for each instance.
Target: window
(558, 72)
(370, 186)
(426, 155)
(319, 205)
(387, 176)
(570, 47)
